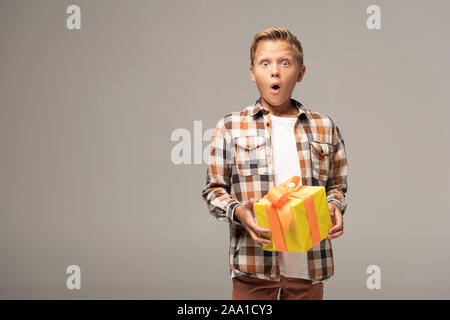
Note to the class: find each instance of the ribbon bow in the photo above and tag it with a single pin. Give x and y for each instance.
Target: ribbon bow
(279, 213)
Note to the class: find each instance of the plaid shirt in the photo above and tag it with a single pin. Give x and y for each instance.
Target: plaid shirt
(241, 168)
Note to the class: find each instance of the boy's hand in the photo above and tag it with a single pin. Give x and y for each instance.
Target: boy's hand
(338, 222)
(245, 214)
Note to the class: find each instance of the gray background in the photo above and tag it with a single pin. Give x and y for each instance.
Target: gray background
(86, 119)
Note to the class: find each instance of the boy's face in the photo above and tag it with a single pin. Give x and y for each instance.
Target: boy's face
(275, 63)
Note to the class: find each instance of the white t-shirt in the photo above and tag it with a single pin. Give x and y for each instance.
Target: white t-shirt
(287, 165)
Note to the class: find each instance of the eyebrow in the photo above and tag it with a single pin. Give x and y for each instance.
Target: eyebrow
(288, 56)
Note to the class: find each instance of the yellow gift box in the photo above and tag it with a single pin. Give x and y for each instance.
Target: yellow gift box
(297, 216)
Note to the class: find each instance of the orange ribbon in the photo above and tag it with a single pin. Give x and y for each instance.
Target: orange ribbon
(280, 214)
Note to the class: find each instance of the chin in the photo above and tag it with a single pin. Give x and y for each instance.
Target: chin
(275, 101)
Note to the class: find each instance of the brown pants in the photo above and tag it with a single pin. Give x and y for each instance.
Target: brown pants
(249, 288)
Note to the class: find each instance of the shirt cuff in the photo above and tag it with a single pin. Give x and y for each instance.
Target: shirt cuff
(231, 208)
(336, 202)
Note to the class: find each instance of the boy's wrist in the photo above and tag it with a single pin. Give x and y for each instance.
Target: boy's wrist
(234, 216)
(337, 203)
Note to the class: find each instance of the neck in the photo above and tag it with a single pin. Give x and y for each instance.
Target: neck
(285, 109)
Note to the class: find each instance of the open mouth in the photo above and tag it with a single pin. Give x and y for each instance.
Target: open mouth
(275, 88)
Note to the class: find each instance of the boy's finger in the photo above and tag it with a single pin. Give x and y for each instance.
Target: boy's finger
(258, 239)
(261, 230)
(262, 240)
(266, 241)
(257, 229)
(266, 231)
(335, 228)
(335, 235)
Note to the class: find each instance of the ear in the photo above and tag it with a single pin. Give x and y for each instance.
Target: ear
(252, 74)
(301, 73)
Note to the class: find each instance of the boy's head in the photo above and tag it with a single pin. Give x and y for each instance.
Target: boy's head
(276, 60)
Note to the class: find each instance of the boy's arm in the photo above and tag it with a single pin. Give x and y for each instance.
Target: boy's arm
(337, 179)
(218, 176)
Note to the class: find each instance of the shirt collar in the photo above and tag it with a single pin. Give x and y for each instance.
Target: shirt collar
(257, 107)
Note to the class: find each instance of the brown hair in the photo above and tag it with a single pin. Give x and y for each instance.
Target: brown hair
(277, 34)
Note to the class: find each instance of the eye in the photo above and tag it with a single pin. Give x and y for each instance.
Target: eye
(285, 63)
(265, 63)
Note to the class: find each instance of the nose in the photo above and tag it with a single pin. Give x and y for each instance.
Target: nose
(275, 70)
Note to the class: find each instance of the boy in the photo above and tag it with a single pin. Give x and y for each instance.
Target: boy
(261, 146)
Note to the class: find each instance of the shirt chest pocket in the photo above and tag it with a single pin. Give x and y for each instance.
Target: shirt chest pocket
(321, 155)
(251, 155)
